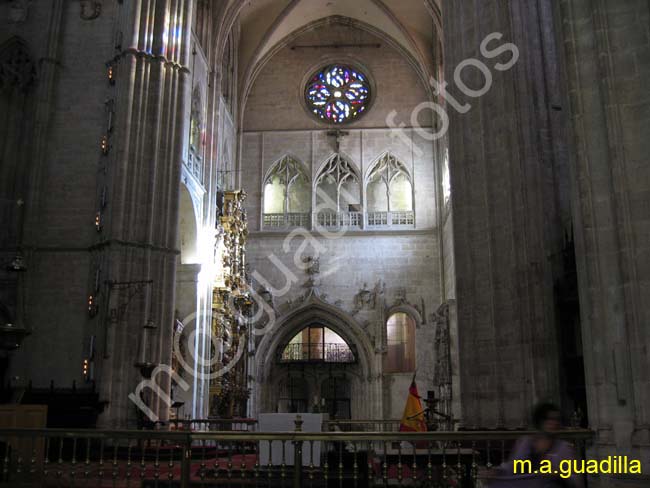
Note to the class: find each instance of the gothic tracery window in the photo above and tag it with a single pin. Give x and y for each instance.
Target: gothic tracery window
(400, 341)
(195, 122)
(389, 193)
(287, 195)
(337, 93)
(228, 71)
(338, 194)
(196, 134)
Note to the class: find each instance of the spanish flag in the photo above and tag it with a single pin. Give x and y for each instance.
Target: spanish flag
(413, 417)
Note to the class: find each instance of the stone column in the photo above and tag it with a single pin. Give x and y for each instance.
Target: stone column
(607, 50)
(143, 181)
(506, 162)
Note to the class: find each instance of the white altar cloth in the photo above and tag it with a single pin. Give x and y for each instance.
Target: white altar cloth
(284, 422)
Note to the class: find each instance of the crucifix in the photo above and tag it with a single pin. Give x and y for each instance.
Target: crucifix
(338, 135)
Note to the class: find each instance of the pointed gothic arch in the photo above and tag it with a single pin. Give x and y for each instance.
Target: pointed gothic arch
(389, 185)
(364, 373)
(188, 234)
(389, 192)
(315, 310)
(338, 193)
(286, 194)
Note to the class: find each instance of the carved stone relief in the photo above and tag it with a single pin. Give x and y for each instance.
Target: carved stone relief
(90, 9)
(442, 369)
(366, 299)
(400, 297)
(19, 11)
(16, 67)
(312, 283)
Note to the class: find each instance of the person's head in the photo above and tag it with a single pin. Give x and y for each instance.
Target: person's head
(546, 417)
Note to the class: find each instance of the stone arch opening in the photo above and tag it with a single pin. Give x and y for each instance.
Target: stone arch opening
(188, 229)
(361, 374)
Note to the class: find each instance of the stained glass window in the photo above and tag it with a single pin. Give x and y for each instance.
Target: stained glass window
(338, 94)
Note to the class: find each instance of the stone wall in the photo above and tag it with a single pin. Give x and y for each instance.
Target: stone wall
(207, 170)
(607, 55)
(404, 262)
(60, 190)
(276, 97)
(558, 141)
(399, 270)
(508, 167)
(93, 216)
(362, 147)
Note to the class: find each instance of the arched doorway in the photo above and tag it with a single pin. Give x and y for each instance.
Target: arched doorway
(400, 343)
(190, 293)
(330, 352)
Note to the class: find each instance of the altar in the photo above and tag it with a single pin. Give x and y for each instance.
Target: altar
(275, 453)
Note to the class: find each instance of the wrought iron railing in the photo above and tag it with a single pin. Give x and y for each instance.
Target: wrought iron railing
(318, 352)
(57, 457)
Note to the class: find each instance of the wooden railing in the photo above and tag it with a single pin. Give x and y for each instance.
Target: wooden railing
(98, 458)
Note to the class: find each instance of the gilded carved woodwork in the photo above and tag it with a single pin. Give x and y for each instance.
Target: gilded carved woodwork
(230, 308)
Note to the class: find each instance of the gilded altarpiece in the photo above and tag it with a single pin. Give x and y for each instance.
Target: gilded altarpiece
(231, 303)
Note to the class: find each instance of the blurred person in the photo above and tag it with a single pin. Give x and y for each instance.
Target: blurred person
(542, 447)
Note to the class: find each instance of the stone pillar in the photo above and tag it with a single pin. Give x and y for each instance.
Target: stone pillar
(141, 222)
(506, 162)
(607, 52)
(188, 293)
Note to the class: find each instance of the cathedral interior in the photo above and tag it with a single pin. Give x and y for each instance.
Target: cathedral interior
(221, 215)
